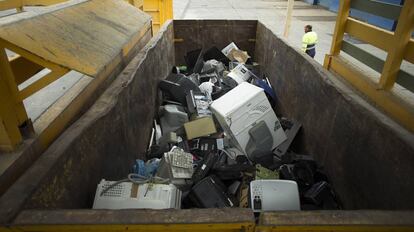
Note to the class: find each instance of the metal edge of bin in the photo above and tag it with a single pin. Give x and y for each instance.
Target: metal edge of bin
(339, 220)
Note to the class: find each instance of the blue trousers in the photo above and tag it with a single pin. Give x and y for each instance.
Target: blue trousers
(311, 52)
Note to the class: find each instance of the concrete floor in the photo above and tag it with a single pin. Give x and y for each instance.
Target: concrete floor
(271, 12)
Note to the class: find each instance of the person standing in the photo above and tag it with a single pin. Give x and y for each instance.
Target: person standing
(309, 41)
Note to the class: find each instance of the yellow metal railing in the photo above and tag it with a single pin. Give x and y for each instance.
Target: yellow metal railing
(398, 45)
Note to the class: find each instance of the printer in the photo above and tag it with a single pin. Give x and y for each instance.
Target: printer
(248, 119)
(128, 195)
(274, 195)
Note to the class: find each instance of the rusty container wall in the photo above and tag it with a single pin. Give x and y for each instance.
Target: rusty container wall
(340, 131)
(368, 157)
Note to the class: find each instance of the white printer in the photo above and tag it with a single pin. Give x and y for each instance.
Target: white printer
(128, 195)
(274, 195)
(247, 117)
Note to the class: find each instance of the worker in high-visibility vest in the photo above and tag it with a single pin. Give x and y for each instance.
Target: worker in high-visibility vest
(309, 41)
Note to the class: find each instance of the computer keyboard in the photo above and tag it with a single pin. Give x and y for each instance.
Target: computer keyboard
(180, 158)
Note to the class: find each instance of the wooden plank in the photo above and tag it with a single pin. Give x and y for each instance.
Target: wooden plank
(377, 37)
(338, 217)
(368, 33)
(399, 44)
(344, 220)
(235, 219)
(404, 79)
(383, 9)
(134, 216)
(365, 57)
(41, 83)
(65, 36)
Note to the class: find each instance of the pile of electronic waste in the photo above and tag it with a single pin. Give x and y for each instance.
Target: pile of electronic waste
(217, 142)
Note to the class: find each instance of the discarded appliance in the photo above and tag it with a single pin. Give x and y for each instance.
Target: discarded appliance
(273, 195)
(241, 109)
(128, 195)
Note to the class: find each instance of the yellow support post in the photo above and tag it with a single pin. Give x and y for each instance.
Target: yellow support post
(9, 114)
(338, 36)
(341, 20)
(7, 74)
(396, 52)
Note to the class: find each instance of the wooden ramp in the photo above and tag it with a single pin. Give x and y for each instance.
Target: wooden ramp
(97, 38)
(86, 37)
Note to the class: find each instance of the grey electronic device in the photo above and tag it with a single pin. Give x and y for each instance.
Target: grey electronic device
(128, 195)
(172, 168)
(172, 117)
(274, 195)
(291, 133)
(260, 142)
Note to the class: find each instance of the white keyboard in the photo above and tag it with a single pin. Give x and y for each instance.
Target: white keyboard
(180, 158)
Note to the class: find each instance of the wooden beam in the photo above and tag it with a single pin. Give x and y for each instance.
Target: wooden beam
(398, 46)
(368, 33)
(7, 75)
(288, 17)
(377, 37)
(341, 20)
(23, 68)
(386, 100)
(404, 79)
(41, 83)
(383, 9)
(9, 125)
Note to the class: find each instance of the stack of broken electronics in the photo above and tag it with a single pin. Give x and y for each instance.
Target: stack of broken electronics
(217, 142)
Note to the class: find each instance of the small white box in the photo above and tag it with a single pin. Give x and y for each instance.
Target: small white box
(240, 109)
